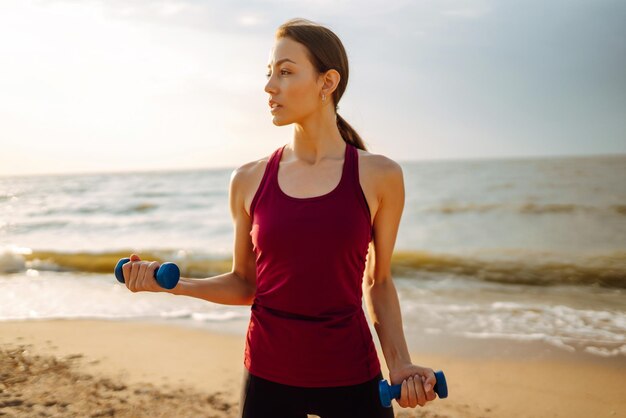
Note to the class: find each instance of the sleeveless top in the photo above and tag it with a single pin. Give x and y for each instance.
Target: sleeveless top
(307, 325)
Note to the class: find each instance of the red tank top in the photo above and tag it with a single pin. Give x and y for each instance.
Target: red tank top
(307, 325)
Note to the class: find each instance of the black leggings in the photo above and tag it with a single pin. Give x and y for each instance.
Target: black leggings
(261, 398)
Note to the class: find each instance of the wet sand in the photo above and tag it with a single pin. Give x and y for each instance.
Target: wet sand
(93, 368)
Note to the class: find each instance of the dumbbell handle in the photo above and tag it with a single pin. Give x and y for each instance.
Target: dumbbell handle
(388, 392)
(166, 275)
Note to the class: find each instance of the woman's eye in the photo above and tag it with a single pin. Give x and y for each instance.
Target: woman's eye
(268, 75)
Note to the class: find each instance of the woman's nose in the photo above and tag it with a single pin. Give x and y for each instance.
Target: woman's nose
(270, 85)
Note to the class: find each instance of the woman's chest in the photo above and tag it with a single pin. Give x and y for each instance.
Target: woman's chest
(367, 183)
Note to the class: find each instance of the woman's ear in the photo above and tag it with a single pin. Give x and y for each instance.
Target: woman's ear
(330, 81)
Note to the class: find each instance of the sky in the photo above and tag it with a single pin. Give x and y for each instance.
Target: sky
(142, 85)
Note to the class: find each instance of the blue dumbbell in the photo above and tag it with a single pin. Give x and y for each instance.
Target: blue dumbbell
(167, 275)
(387, 392)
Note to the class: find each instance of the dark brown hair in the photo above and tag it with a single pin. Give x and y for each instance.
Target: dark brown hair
(326, 52)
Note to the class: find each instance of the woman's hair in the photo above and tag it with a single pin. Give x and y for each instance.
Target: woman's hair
(325, 51)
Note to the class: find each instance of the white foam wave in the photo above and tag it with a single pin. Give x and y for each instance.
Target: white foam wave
(596, 331)
(226, 315)
(12, 258)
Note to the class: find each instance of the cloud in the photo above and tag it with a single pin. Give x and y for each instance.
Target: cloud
(234, 17)
(263, 16)
(251, 20)
(467, 12)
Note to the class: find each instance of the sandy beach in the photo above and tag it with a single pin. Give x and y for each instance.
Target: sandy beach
(90, 368)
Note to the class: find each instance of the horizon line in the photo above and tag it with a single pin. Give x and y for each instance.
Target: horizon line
(218, 168)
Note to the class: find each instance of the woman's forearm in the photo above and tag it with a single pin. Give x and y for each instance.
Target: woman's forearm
(384, 309)
(227, 289)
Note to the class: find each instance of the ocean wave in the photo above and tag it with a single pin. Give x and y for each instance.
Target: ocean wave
(612, 348)
(12, 259)
(139, 207)
(621, 209)
(507, 267)
(191, 265)
(6, 197)
(553, 208)
(142, 193)
(20, 227)
(596, 328)
(99, 208)
(218, 316)
(524, 208)
(69, 210)
(541, 269)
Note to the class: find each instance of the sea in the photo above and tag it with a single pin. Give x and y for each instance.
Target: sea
(505, 252)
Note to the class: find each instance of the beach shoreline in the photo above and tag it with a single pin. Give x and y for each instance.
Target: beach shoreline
(189, 370)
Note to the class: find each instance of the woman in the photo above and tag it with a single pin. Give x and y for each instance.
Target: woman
(315, 226)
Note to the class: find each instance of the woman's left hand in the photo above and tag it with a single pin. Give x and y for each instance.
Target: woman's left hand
(417, 384)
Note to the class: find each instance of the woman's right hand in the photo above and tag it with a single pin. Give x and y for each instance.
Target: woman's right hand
(139, 275)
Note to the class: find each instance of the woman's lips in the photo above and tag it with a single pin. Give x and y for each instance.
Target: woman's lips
(274, 109)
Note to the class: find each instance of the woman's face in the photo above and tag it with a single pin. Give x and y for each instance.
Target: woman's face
(292, 82)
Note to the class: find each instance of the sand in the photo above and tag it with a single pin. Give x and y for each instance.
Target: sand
(93, 368)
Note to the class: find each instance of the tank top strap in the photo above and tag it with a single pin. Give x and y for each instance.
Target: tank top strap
(267, 181)
(273, 163)
(347, 169)
(351, 165)
(355, 184)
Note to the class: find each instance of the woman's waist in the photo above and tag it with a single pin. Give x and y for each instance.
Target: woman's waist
(275, 331)
(306, 313)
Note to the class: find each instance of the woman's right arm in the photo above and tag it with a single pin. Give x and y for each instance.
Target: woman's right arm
(238, 286)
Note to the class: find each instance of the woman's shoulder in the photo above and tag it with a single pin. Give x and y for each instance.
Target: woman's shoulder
(250, 173)
(252, 166)
(377, 164)
(378, 174)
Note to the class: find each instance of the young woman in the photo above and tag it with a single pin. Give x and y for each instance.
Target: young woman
(315, 225)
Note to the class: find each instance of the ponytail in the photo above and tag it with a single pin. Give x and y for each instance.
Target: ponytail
(349, 134)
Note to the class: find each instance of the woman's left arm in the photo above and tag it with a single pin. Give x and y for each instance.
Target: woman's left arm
(380, 294)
